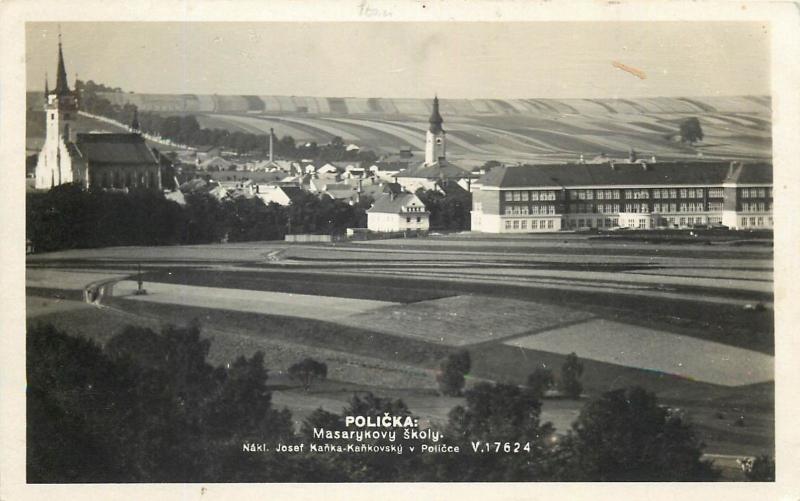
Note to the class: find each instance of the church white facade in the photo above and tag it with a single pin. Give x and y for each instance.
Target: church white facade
(96, 160)
(57, 164)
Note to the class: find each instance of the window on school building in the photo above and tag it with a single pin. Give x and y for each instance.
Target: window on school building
(408, 220)
(715, 193)
(508, 225)
(744, 221)
(745, 192)
(524, 196)
(508, 196)
(549, 224)
(534, 224)
(534, 196)
(616, 194)
(524, 224)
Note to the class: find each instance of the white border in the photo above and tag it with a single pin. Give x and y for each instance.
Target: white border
(783, 20)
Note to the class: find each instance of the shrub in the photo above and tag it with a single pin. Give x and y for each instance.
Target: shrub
(570, 384)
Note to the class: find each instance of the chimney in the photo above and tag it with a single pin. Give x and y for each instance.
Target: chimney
(271, 153)
(360, 186)
(644, 165)
(612, 164)
(653, 159)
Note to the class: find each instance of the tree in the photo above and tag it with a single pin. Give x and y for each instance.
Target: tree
(147, 408)
(691, 131)
(626, 436)
(307, 371)
(452, 371)
(502, 413)
(571, 371)
(540, 381)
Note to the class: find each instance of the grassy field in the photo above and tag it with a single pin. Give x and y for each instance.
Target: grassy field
(653, 350)
(395, 349)
(715, 322)
(465, 320)
(361, 359)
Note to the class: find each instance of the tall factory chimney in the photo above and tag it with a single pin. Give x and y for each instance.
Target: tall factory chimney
(271, 154)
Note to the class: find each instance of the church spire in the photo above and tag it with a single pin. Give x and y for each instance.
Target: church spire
(46, 87)
(436, 119)
(62, 86)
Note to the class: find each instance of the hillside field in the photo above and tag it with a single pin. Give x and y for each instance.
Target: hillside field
(520, 130)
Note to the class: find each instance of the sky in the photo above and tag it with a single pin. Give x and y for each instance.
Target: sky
(410, 60)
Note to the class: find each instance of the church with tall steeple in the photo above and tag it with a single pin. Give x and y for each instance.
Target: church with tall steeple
(92, 160)
(435, 137)
(436, 171)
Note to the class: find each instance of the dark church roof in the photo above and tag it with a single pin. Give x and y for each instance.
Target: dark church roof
(441, 169)
(117, 148)
(629, 174)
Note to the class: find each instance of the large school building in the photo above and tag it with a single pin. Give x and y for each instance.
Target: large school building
(636, 195)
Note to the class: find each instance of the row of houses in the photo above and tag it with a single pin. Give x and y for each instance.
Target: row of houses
(600, 193)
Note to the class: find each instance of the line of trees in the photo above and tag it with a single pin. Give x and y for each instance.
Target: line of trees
(186, 129)
(149, 407)
(68, 217)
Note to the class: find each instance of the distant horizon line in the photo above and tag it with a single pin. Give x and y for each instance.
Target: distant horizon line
(681, 96)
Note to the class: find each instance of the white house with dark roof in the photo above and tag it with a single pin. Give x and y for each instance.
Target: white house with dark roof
(398, 212)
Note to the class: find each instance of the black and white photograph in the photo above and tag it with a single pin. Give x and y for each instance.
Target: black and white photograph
(382, 251)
